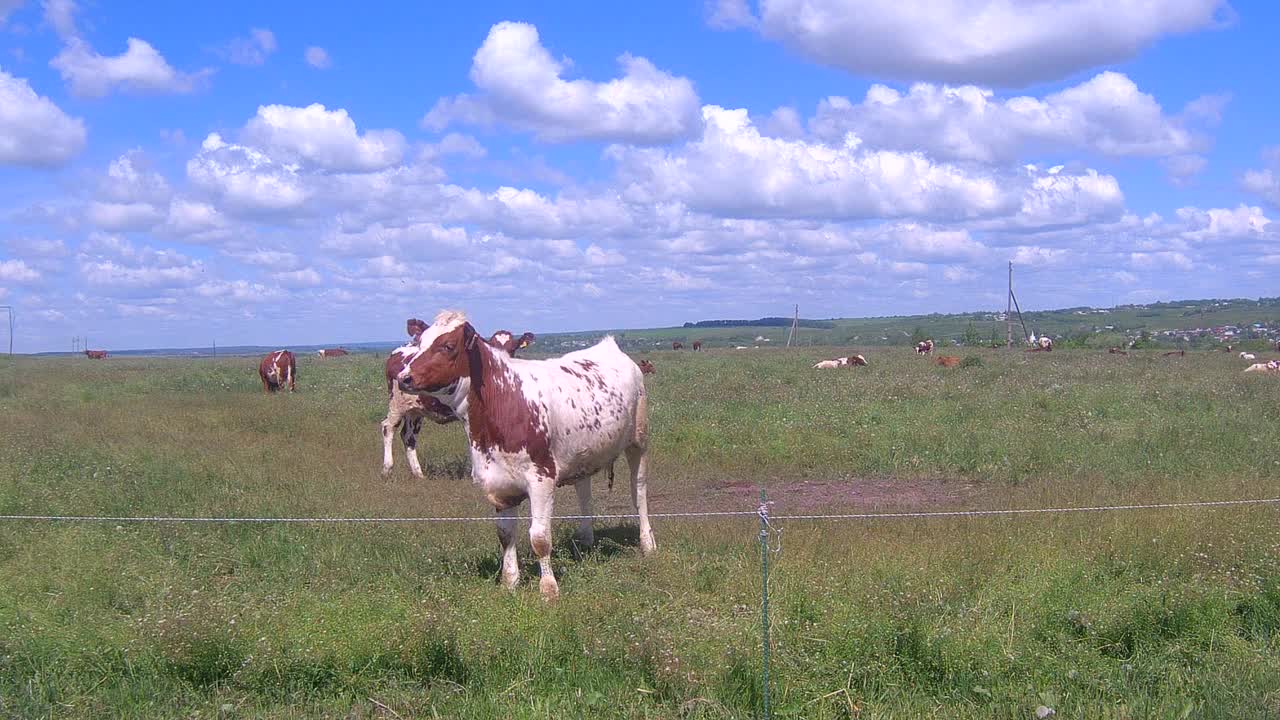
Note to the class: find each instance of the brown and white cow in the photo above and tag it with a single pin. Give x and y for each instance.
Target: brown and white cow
(277, 370)
(95, 354)
(332, 352)
(924, 347)
(1272, 366)
(535, 425)
(677, 345)
(697, 345)
(406, 412)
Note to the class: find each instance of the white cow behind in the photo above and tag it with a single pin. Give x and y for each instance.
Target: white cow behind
(1248, 356)
(535, 425)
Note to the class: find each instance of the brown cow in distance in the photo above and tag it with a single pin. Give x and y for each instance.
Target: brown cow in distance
(1116, 351)
(1174, 353)
(95, 354)
(677, 345)
(277, 370)
(406, 412)
(332, 352)
(697, 345)
(647, 367)
(947, 361)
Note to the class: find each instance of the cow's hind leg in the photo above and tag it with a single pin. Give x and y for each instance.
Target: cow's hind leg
(507, 540)
(585, 536)
(638, 460)
(409, 429)
(541, 505)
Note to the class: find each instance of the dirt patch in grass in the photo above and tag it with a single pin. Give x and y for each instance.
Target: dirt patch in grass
(855, 493)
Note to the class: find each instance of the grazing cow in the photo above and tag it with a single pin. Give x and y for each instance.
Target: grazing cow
(332, 352)
(1248, 356)
(677, 345)
(1267, 367)
(924, 347)
(1174, 353)
(1116, 351)
(535, 425)
(406, 412)
(697, 345)
(647, 367)
(1046, 343)
(278, 369)
(95, 354)
(856, 360)
(947, 361)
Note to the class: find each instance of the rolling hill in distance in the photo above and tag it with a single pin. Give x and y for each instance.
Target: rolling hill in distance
(1180, 323)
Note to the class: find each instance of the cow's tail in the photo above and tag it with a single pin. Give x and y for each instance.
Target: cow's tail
(288, 374)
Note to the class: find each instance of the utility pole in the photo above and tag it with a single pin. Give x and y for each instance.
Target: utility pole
(215, 347)
(9, 309)
(795, 320)
(1008, 312)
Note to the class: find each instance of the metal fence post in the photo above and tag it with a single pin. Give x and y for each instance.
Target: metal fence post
(764, 601)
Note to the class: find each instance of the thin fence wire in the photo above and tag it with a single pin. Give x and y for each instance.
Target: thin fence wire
(657, 515)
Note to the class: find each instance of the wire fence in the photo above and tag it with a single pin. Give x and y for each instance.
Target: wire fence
(767, 521)
(759, 511)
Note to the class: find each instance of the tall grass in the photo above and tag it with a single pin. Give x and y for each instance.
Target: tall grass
(1161, 614)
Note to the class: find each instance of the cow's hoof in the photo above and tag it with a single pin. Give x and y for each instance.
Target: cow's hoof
(550, 589)
(648, 545)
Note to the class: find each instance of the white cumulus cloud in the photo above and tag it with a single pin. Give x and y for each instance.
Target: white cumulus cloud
(1107, 114)
(324, 138)
(33, 130)
(522, 85)
(994, 42)
(140, 68)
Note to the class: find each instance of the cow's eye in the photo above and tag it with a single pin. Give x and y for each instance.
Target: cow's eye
(448, 347)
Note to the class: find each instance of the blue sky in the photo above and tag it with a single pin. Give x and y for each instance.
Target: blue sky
(273, 173)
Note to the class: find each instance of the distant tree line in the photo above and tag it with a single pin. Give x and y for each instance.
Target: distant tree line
(762, 322)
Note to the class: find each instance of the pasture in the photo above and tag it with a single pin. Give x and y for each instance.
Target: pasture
(1119, 615)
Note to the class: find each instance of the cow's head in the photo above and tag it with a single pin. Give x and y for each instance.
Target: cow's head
(448, 352)
(525, 341)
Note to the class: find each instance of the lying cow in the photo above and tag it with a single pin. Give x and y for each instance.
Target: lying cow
(332, 352)
(1267, 367)
(1248, 356)
(406, 412)
(535, 425)
(278, 369)
(840, 362)
(947, 361)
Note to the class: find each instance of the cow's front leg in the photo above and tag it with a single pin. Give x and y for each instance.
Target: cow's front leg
(409, 429)
(541, 504)
(507, 540)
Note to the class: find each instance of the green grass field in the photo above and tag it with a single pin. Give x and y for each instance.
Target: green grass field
(1121, 615)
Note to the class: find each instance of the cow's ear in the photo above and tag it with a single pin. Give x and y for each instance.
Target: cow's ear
(469, 336)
